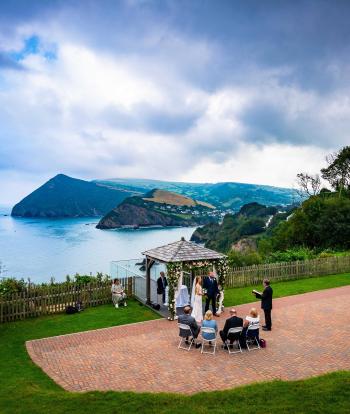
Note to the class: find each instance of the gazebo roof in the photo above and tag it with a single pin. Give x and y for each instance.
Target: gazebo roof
(182, 251)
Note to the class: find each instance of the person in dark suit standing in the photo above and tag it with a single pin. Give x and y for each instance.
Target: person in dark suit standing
(232, 322)
(266, 303)
(162, 283)
(211, 286)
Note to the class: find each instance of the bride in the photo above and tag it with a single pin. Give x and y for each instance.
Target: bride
(196, 300)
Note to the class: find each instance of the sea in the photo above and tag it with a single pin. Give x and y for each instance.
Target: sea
(41, 249)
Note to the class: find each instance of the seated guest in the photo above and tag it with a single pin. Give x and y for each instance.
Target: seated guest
(252, 319)
(189, 320)
(208, 322)
(232, 322)
(118, 294)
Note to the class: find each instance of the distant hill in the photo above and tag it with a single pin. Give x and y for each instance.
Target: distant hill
(158, 208)
(227, 195)
(63, 196)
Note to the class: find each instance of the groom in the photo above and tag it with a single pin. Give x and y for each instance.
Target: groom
(211, 285)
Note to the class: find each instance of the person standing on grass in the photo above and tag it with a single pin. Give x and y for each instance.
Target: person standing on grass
(266, 303)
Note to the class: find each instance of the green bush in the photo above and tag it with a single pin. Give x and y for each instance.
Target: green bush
(238, 259)
(291, 255)
(11, 285)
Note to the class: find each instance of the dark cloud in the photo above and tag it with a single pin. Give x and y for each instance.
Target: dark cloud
(144, 117)
(224, 74)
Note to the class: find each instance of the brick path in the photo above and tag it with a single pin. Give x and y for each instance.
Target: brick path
(311, 336)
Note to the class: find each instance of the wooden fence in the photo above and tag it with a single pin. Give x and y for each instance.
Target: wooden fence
(254, 275)
(38, 301)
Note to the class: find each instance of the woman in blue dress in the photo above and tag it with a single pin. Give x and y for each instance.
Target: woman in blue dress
(208, 322)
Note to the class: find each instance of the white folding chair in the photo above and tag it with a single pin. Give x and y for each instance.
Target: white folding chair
(253, 339)
(209, 342)
(236, 331)
(187, 332)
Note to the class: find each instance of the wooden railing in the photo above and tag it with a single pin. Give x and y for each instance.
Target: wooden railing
(254, 275)
(38, 301)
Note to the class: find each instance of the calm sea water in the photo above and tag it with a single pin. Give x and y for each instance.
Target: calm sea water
(44, 248)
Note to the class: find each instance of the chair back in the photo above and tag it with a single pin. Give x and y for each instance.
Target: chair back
(237, 329)
(208, 330)
(253, 326)
(185, 328)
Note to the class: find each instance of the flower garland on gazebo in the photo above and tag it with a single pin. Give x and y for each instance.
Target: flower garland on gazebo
(174, 273)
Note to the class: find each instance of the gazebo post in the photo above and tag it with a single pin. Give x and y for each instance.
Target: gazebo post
(149, 264)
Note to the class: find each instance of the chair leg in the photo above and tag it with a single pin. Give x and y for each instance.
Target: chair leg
(187, 348)
(252, 341)
(210, 345)
(239, 346)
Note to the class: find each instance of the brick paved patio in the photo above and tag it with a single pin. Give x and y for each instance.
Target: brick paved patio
(311, 336)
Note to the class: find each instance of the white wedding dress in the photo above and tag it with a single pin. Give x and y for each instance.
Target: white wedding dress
(197, 311)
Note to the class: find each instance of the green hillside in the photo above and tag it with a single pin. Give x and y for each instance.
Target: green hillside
(227, 195)
(158, 208)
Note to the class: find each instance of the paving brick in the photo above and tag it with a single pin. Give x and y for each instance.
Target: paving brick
(310, 336)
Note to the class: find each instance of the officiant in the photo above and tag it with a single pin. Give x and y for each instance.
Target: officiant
(210, 284)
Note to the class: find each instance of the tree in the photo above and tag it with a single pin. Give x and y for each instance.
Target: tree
(338, 171)
(308, 184)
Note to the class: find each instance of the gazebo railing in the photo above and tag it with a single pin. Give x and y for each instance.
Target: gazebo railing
(132, 269)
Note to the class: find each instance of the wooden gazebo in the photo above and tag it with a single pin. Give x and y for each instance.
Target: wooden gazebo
(179, 256)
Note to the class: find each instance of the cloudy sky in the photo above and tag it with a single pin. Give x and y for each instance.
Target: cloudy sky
(201, 91)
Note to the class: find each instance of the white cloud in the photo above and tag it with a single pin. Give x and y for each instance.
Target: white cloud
(155, 104)
(273, 164)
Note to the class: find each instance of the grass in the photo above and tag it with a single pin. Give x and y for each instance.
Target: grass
(239, 296)
(25, 389)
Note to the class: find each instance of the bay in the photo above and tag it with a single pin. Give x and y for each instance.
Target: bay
(43, 248)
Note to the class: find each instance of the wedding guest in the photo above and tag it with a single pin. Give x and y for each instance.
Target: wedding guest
(252, 319)
(162, 283)
(266, 303)
(118, 294)
(208, 322)
(233, 321)
(211, 286)
(189, 320)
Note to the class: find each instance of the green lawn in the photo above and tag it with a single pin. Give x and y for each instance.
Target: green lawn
(25, 389)
(239, 296)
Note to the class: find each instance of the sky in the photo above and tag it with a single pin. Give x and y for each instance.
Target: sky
(185, 90)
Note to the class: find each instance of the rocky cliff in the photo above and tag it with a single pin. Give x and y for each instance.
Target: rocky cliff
(156, 209)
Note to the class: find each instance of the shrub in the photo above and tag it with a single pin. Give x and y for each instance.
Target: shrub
(291, 255)
(11, 285)
(238, 259)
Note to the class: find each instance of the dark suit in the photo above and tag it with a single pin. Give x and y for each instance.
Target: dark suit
(266, 304)
(211, 285)
(232, 322)
(162, 283)
(191, 322)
